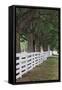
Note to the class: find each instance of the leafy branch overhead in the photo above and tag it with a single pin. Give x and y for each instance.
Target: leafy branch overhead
(42, 23)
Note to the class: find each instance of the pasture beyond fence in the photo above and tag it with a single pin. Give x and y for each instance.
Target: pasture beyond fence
(27, 61)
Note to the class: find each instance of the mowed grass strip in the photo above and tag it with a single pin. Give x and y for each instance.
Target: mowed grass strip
(48, 70)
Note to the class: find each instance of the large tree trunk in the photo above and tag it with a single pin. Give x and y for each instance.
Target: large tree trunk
(37, 45)
(41, 49)
(30, 42)
(33, 45)
(45, 46)
(18, 49)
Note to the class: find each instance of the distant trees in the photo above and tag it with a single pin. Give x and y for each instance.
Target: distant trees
(39, 27)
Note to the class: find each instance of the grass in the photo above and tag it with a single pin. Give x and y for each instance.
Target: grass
(48, 70)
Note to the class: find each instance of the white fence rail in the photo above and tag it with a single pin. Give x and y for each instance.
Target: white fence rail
(27, 61)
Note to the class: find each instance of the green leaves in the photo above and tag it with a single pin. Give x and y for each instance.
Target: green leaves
(43, 24)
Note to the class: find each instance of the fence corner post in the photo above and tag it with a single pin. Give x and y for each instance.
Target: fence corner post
(20, 66)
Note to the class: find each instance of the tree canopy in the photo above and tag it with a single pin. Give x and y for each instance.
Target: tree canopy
(42, 23)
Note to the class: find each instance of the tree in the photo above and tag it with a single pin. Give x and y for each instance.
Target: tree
(39, 27)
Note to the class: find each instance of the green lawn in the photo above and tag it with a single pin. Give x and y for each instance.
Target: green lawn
(48, 70)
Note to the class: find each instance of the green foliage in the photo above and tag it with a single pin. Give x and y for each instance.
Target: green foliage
(43, 25)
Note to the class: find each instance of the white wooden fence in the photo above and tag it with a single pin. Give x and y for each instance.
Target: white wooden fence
(27, 61)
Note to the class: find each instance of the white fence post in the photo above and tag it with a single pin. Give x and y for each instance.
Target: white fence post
(18, 74)
(20, 67)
